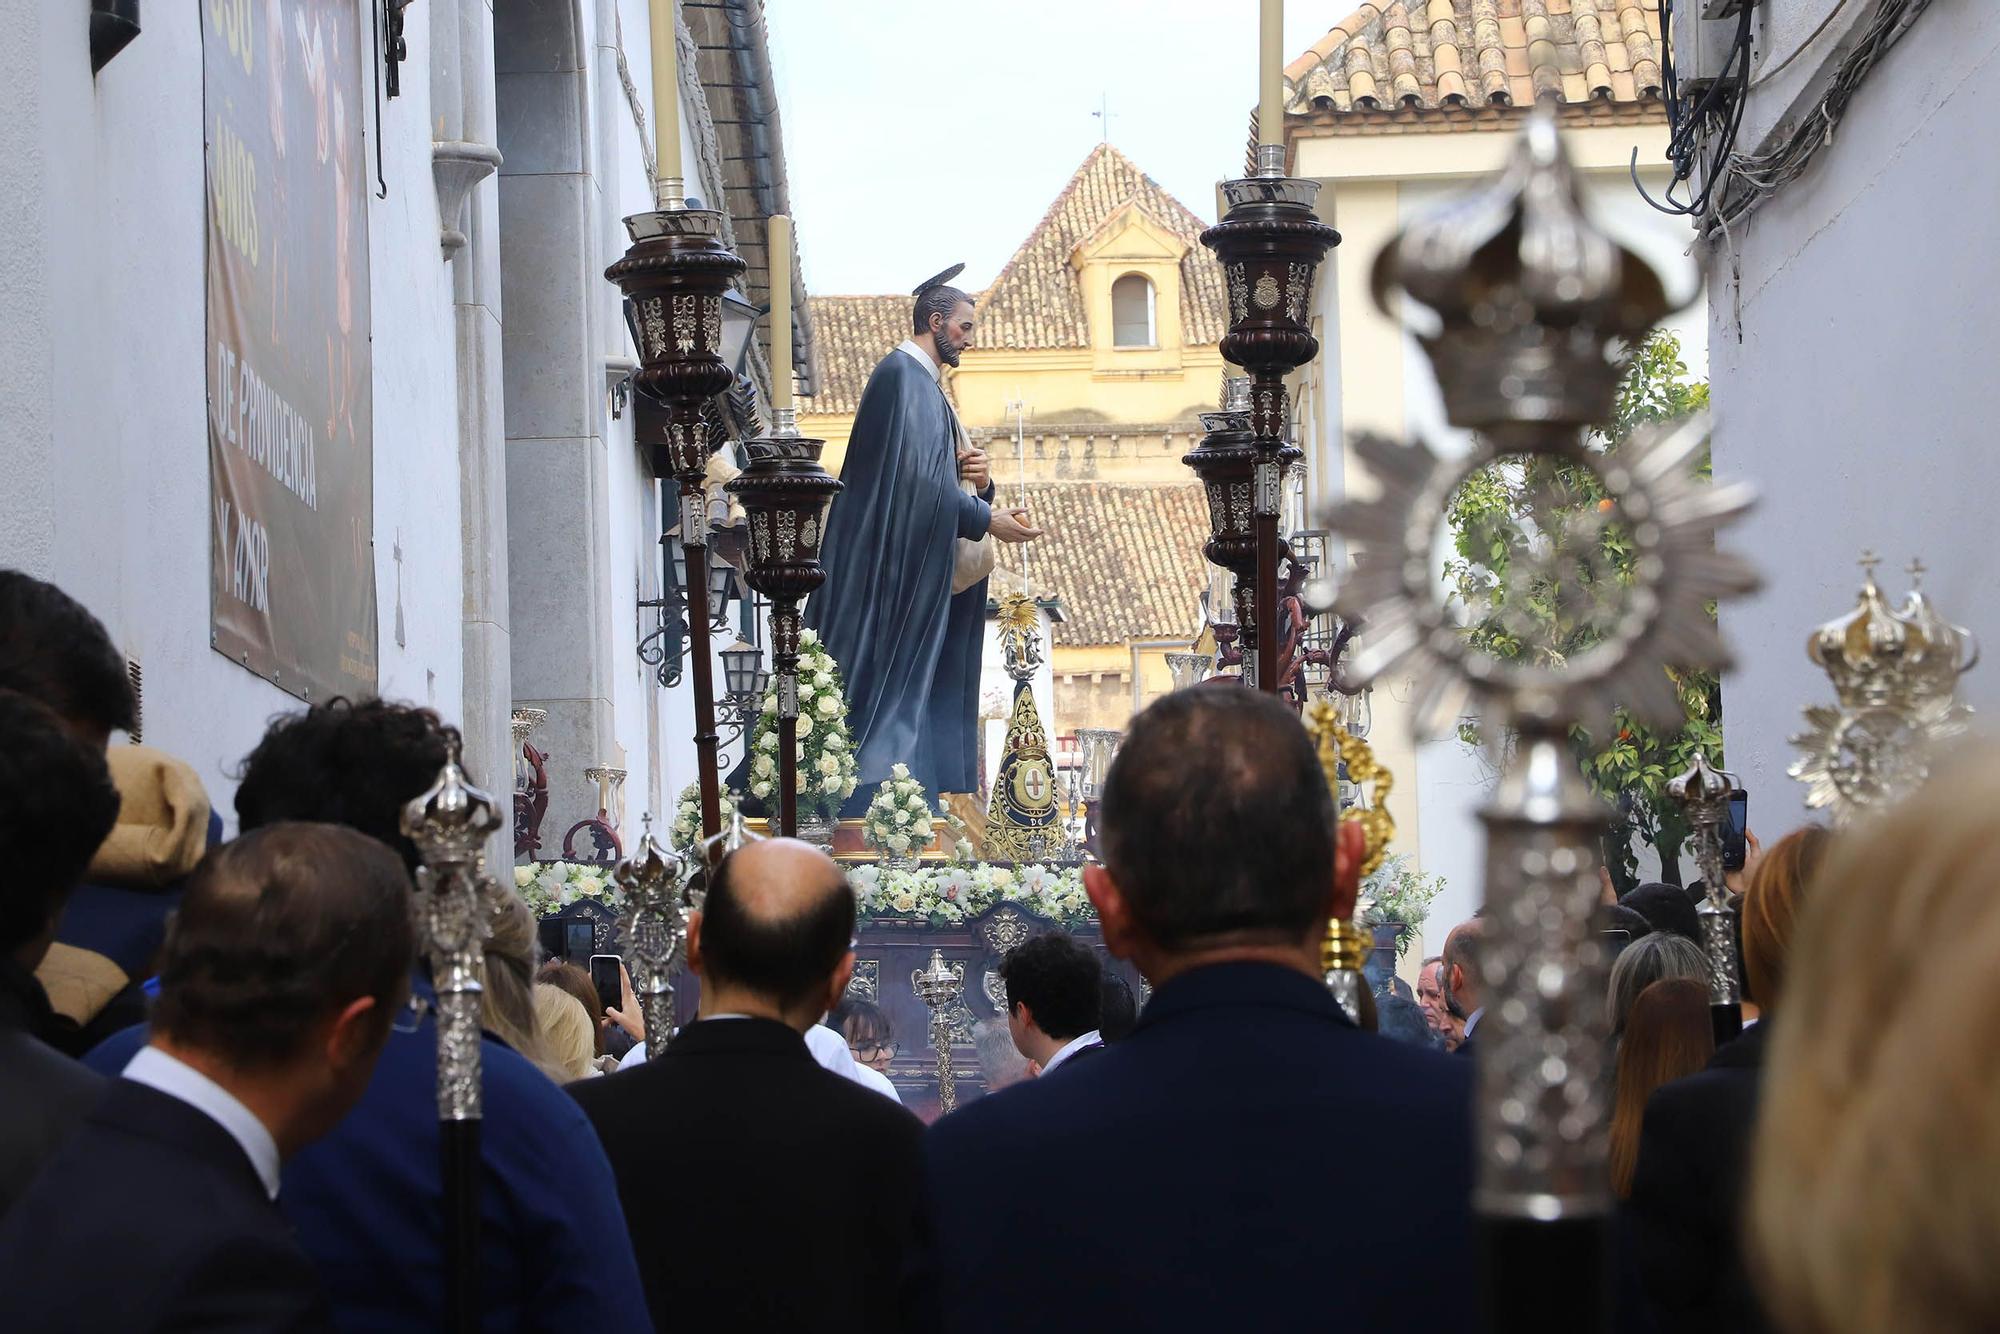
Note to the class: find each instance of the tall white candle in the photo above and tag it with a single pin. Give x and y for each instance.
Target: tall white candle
(778, 237)
(1271, 73)
(666, 88)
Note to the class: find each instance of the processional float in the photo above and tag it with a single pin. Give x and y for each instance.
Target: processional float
(455, 903)
(1530, 298)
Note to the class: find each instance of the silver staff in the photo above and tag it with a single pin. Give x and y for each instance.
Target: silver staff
(655, 929)
(450, 825)
(1528, 296)
(939, 985)
(1704, 792)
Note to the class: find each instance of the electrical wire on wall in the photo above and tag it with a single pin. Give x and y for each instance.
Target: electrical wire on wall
(1729, 185)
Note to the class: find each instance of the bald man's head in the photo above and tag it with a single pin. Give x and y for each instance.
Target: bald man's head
(778, 921)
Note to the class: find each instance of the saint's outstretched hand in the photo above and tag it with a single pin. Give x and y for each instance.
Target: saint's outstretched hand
(1013, 525)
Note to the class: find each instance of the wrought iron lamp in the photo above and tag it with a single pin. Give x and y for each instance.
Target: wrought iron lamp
(674, 277)
(939, 985)
(1270, 243)
(1704, 792)
(785, 493)
(655, 928)
(1226, 462)
(1529, 296)
(449, 824)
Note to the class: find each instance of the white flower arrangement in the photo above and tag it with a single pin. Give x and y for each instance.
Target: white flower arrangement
(826, 760)
(549, 887)
(898, 821)
(685, 831)
(944, 895)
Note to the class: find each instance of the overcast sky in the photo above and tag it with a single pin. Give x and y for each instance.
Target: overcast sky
(918, 134)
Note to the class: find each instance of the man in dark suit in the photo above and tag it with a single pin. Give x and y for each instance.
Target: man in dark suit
(1459, 979)
(1055, 995)
(763, 1191)
(1227, 1130)
(279, 978)
(56, 805)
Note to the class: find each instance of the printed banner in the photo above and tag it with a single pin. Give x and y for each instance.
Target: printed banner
(290, 429)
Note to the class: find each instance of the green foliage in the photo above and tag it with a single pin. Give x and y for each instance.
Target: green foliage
(1533, 565)
(1401, 895)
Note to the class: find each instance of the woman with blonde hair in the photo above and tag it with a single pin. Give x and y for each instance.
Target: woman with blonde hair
(507, 1005)
(568, 1037)
(1873, 1203)
(1668, 1036)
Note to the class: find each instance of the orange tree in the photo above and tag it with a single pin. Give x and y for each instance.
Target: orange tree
(1537, 567)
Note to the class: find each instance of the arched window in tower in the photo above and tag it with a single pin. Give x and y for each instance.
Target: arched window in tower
(1132, 312)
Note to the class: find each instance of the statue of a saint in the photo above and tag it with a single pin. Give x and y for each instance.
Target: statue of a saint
(903, 609)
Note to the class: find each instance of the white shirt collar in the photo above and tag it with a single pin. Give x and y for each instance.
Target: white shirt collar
(1472, 1020)
(915, 349)
(1070, 1048)
(177, 1079)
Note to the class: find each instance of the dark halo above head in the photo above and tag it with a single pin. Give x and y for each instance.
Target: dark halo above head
(937, 280)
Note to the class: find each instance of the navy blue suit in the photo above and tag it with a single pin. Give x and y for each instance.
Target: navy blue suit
(368, 1201)
(151, 1217)
(1245, 1160)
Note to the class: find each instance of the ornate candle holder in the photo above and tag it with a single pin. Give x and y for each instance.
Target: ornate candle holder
(785, 493)
(1189, 669)
(655, 929)
(1895, 679)
(1347, 945)
(939, 985)
(1226, 463)
(1270, 244)
(1704, 792)
(673, 278)
(1529, 295)
(449, 824)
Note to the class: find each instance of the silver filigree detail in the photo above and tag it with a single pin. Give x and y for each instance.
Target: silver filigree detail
(1239, 292)
(940, 985)
(1298, 288)
(1265, 293)
(1703, 792)
(653, 321)
(760, 537)
(711, 321)
(788, 534)
(655, 927)
(1004, 931)
(866, 981)
(809, 537)
(687, 319)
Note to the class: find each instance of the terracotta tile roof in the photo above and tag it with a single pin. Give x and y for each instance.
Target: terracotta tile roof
(1444, 55)
(1125, 560)
(851, 335)
(1036, 301)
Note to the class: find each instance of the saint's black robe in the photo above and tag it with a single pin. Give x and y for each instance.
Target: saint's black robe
(909, 649)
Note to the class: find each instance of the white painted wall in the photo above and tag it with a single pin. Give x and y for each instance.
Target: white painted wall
(1858, 394)
(103, 386)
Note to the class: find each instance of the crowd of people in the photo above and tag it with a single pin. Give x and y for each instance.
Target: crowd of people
(260, 1149)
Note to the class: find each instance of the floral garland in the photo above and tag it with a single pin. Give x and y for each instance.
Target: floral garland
(685, 831)
(945, 895)
(826, 748)
(549, 887)
(898, 821)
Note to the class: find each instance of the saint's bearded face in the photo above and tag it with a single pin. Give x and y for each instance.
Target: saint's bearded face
(953, 334)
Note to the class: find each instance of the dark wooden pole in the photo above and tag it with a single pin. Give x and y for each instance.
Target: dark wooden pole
(694, 541)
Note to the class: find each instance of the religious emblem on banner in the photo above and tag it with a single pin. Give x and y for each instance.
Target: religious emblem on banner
(1022, 824)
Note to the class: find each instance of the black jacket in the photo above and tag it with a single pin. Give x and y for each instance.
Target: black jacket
(46, 1093)
(1245, 1160)
(1688, 1193)
(150, 1217)
(763, 1192)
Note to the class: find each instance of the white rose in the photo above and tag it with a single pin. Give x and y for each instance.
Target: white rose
(809, 636)
(770, 706)
(832, 788)
(760, 788)
(805, 724)
(824, 680)
(524, 876)
(906, 902)
(828, 765)
(899, 771)
(805, 694)
(768, 741)
(898, 843)
(902, 819)
(836, 742)
(764, 767)
(827, 706)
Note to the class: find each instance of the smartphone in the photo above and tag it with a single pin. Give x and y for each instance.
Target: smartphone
(579, 939)
(1734, 847)
(549, 932)
(604, 976)
(1615, 941)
